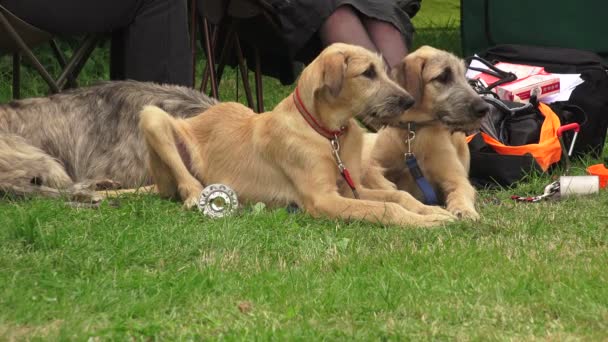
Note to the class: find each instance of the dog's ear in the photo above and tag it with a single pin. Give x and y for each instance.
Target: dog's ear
(334, 67)
(408, 74)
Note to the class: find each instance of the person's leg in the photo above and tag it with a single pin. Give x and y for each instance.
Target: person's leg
(157, 45)
(345, 26)
(150, 37)
(117, 55)
(387, 39)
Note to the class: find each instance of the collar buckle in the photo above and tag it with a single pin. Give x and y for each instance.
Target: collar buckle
(411, 135)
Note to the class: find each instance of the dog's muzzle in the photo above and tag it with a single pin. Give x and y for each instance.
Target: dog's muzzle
(461, 125)
(471, 120)
(404, 103)
(480, 108)
(392, 107)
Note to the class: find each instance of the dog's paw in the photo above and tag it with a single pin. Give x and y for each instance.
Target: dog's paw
(434, 220)
(190, 194)
(85, 196)
(462, 208)
(464, 212)
(84, 192)
(190, 203)
(433, 210)
(106, 184)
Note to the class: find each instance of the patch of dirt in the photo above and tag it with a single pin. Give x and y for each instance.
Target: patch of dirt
(16, 332)
(245, 307)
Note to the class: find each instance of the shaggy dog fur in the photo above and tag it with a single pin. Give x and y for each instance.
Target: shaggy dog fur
(73, 142)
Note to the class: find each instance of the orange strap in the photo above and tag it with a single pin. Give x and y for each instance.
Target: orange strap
(548, 150)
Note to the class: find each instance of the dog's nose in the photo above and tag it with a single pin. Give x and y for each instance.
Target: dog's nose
(406, 102)
(480, 108)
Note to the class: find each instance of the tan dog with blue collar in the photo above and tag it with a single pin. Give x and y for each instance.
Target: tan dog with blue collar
(446, 106)
(293, 153)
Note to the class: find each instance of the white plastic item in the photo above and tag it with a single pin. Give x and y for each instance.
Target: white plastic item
(578, 185)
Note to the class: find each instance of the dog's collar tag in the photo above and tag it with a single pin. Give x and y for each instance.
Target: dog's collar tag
(411, 135)
(218, 200)
(335, 149)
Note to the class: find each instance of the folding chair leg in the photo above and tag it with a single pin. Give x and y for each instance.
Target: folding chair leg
(258, 81)
(29, 55)
(223, 55)
(210, 43)
(78, 59)
(94, 40)
(193, 24)
(58, 53)
(62, 62)
(243, 71)
(16, 76)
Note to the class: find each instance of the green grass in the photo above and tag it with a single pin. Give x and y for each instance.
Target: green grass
(142, 268)
(438, 14)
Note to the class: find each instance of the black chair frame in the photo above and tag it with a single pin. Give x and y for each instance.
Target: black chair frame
(213, 71)
(21, 48)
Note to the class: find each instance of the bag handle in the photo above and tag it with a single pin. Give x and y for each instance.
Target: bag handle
(576, 110)
(503, 76)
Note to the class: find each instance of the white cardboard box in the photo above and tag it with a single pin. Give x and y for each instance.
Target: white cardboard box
(529, 79)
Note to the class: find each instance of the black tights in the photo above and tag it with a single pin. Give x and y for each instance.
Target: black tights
(149, 37)
(346, 25)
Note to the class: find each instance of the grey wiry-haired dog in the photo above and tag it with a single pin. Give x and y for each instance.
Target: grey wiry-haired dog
(73, 141)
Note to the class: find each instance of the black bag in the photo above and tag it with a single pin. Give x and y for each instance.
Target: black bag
(588, 104)
(513, 124)
(489, 169)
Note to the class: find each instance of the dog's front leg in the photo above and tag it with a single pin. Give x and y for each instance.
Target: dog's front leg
(406, 200)
(461, 200)
(373, 178)
(390, 213)
(377, 188)
(320, 197)
(166, 165)
(460, 195)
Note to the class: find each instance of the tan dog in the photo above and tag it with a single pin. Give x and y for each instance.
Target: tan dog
(445, 107)
(285, 156)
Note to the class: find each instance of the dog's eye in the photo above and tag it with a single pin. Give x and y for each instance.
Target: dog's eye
(444, 77)
(370, 72)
